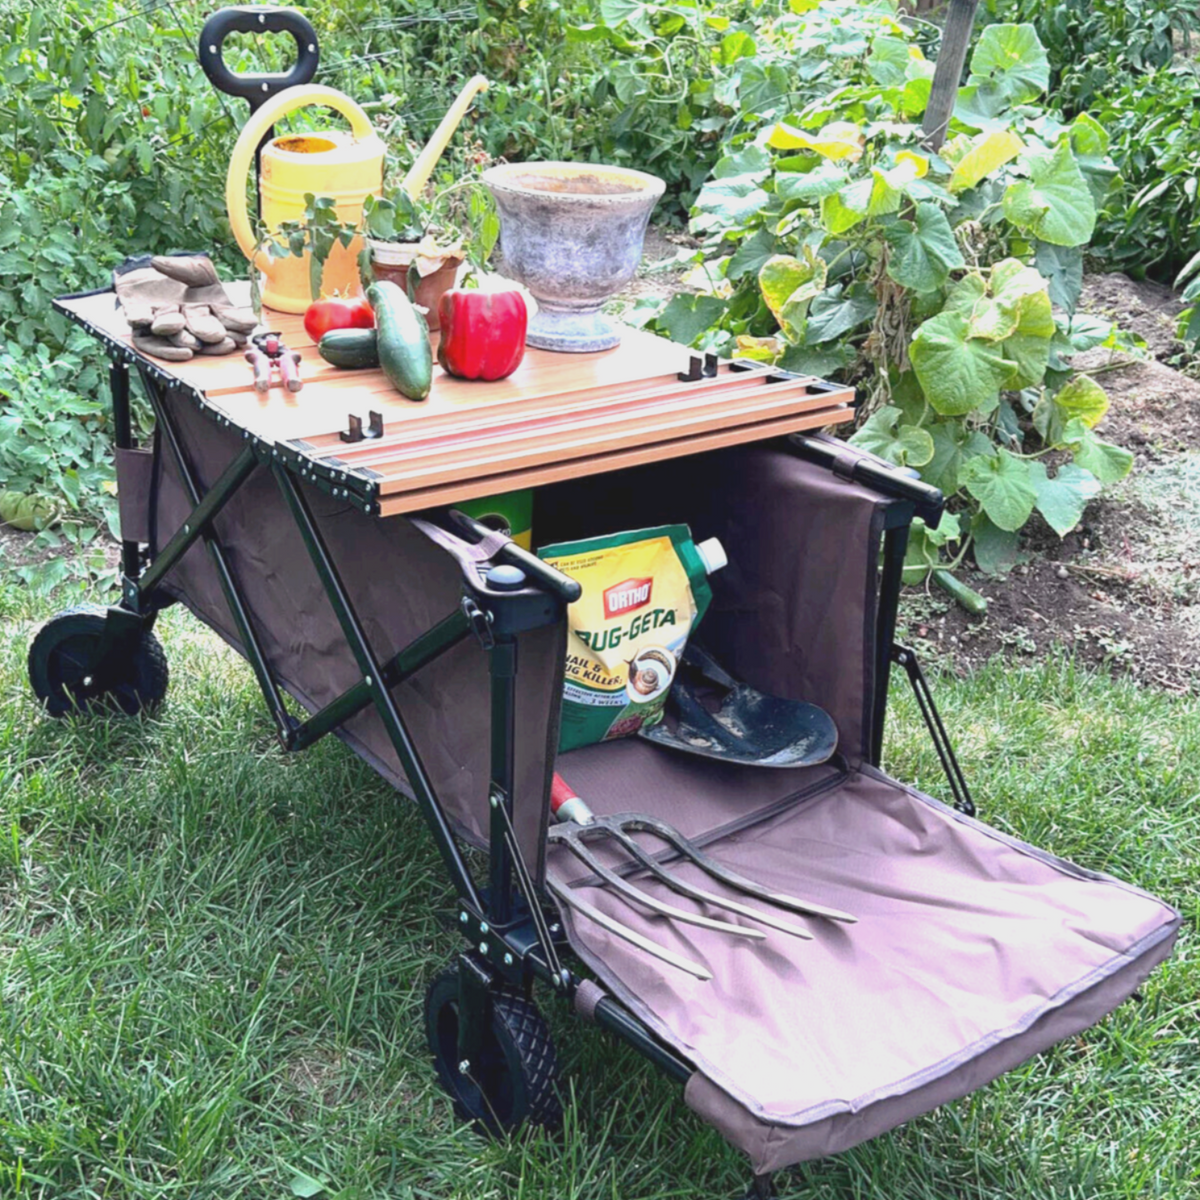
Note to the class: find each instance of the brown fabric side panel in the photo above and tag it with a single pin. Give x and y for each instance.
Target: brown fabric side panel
(401, 584)
(772, 1147)
(793, 612)
(135, 472)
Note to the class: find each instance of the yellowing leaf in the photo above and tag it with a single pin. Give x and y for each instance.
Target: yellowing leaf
(760, 349)
(988, 152)
(919, 162)
(789, 285)
(837, 140)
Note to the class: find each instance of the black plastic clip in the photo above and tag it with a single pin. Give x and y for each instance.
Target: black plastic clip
(695, 371)
(480, 622)
(356, 433)
(710, 366)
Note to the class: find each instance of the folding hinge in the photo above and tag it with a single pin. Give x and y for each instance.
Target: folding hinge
(906, 657)
(480, 622)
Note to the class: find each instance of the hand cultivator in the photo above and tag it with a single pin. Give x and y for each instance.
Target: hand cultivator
(579, 825)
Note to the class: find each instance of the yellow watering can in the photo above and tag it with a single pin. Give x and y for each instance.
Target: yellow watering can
(346, 166)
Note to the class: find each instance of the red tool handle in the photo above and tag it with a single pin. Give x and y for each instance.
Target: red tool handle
(289, 368)
(262, 368)
(566, 805)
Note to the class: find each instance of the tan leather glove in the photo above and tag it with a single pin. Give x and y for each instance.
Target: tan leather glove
(176, 307)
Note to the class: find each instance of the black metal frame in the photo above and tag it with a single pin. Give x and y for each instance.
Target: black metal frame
(509, 926)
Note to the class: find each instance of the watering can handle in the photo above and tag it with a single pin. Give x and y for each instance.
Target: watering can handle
(275, 109)
(252, 18)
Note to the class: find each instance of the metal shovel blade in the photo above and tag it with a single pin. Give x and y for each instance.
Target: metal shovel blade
(713, 715)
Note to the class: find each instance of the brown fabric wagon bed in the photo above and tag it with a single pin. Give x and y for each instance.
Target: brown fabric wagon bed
(971, 951)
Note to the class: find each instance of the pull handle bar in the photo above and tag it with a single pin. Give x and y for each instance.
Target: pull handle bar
(255, 18)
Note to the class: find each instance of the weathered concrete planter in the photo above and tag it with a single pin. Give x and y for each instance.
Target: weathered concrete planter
(572, 233)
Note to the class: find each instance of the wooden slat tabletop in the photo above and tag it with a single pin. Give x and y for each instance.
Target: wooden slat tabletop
(559, 416)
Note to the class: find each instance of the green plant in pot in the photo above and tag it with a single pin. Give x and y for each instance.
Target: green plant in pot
(429, 238)
(316, 233)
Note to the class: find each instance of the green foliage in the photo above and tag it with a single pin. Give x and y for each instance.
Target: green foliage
(839, 242)
(1121, 60)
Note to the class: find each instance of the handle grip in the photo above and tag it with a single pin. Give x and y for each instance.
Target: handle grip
(566, 805)
(289, 370)
(275, 109)
(253, 18)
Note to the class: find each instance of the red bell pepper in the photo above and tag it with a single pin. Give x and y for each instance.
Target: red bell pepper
(483, 333)
(338, 312)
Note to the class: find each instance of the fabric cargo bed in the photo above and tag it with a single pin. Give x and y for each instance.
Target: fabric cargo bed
(972, 952)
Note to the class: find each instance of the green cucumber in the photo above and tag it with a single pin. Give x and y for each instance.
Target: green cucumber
(350, 348)
(404, 351)
(967, 597)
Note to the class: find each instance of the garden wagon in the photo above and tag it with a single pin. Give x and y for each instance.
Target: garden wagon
(316, 534)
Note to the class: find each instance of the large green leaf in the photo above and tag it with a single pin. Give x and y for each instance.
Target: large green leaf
(985, 154)
(751, 255)
(1002, 485)
(996, 550)
(733, 199)
(924, 251)
(1054, 203)
(836, 312)
(823, 180)
(636, 13)
(954, 443)
(1107, 462)
(687, 317)
(1012, 58)
(1062, 498)
(904, 445)
(789, 285)
(823, 361)
(957, 373)
(888, 61)
(1062, 267)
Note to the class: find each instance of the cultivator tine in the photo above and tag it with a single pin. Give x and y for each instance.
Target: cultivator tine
(705, 897)
(640, 823)
(580, 905)
(569, 836)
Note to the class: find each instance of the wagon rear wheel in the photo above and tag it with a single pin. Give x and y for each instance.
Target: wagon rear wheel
(513, 1080)
(66, 678)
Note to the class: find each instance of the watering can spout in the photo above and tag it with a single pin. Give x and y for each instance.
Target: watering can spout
(419, 173)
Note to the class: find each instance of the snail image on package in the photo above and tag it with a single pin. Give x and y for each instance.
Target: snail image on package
(643, 593)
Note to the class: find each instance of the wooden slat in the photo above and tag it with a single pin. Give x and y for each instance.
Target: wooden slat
(414, 501)
(557, 417)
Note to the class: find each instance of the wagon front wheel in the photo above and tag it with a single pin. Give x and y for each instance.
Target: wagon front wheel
(512, 1080)
(67, 677)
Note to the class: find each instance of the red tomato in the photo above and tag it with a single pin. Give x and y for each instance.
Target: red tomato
(337, 313)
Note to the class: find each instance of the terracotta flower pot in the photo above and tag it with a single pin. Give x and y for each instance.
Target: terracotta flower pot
(393, 260)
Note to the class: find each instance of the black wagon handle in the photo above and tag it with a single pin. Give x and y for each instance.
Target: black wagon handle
(257, 18)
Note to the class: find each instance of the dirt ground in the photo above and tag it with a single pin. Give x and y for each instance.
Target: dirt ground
(1123, 590)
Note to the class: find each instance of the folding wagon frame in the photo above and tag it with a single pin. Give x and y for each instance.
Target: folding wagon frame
(513, 935)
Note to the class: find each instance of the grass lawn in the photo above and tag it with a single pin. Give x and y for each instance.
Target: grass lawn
(213, 960)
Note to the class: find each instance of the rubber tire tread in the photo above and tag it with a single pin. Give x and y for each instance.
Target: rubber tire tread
(152, 672)
(527, 1031)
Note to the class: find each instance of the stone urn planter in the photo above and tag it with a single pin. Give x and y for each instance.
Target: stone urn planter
(437, 272)
(572, 233)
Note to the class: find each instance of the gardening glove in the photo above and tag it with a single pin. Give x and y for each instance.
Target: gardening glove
(176, 307)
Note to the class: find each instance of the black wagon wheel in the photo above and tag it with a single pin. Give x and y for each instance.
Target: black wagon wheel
(513, 1080)
(63, 674)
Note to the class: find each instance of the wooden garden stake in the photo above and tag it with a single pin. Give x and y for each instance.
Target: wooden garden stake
(960, 20)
